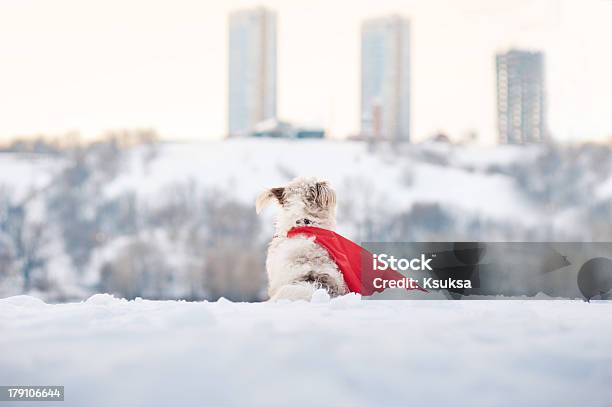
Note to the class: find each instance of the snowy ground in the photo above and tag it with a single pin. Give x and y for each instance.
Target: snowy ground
(111, 352)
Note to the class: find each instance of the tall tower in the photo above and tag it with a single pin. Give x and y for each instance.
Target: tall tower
(385, 78)
(521, 109)
(252, 69)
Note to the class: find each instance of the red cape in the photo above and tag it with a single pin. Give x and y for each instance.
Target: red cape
(353, 261)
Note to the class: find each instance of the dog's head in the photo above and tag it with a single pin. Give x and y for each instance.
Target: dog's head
(303, 202)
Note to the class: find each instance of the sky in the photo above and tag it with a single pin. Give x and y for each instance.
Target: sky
(91, 66)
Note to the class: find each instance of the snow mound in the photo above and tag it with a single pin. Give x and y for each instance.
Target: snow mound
(23, 301)
(345, 351)
(320, 296)
(101, 299)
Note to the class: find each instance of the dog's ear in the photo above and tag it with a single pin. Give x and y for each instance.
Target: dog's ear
(324, 195)
(264, 198)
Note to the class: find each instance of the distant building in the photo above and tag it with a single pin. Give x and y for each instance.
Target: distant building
(385, 79)
(252, 69)
(280, 129)
(521, 107)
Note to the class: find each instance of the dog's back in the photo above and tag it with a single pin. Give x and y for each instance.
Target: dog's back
(298, 266)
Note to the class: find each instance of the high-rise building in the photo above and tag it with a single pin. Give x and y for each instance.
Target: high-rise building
(252, 69)
(385, 78)
(521, 108)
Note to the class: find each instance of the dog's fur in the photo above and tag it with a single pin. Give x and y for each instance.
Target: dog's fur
(297, 266)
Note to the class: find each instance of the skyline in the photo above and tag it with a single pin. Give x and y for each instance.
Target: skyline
(521, 97)
(108, 65)
(252, 69)
(385, 78)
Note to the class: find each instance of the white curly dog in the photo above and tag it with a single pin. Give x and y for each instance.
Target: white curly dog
(298, 266)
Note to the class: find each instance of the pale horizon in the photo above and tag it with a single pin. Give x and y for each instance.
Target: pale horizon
(101, 65)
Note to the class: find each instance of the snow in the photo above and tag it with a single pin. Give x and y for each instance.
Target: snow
(482, 157)
(25, 173)
(493, 195)
(604, 190)
(344, 351)
(244, 167)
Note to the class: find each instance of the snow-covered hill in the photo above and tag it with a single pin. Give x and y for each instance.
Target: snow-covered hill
(153, 220)
(344, 352)
(453, 176)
